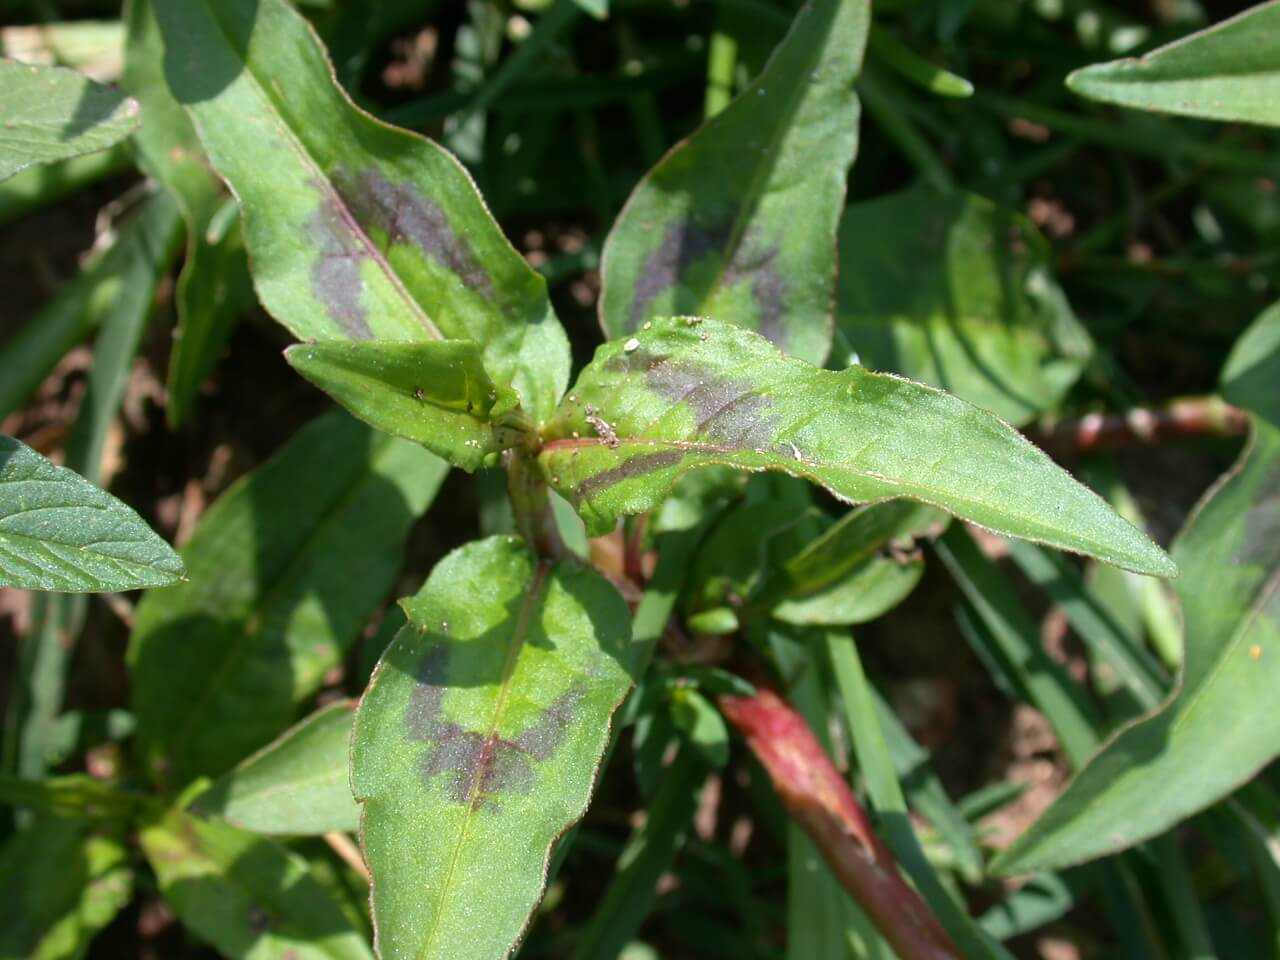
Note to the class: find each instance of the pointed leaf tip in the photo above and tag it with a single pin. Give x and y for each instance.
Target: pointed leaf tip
(695, 392)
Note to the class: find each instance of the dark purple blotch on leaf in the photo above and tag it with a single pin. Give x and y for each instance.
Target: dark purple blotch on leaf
(768, 288)
(335, 274)
(407, 216)
(683, 244)
(637, 466)
(1262, 526)
(480, 767)
(726, 413)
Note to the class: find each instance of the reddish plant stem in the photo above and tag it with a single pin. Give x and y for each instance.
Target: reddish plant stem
(820, 801)
(1180, 420)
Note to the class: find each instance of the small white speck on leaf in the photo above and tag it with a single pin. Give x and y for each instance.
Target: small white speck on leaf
(632, 344)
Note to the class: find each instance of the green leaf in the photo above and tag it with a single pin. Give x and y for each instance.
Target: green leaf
(926, 794)
(286, 567)
(1231, 71)
(297, 784)
(477, 743)
(823, 921)
(61, 881)
(357, 230)
(45, 655)
(739, 221)
(702, 724)
(1251, 371)
(246, 895)
(53, 114)
(1196, 747)
(436, 393)
(885, 46)
(688, 393)
(73, 794)
(214, 286)
(952, 290)
(843, 577)
(60, 532)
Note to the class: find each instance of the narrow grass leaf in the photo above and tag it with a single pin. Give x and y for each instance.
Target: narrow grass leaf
(823, 921)
(1044, 897)
(357, 230)
(285, 569)
(926, 794)
(885, 46)
(477, 743)
(648, 853)
(739, 221)
(692, 393)
(214, 284)
(956, 291)
(894, 820)
(1231, 71)
(44, 659)
(60, 532)
(246, 895)
(296, 785)
(1010, 641)
(1107, 642)
(116, 281)
(52, 114)
(436, 393)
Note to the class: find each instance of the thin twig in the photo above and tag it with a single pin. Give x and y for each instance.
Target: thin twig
(342, 845)
(1180, 420)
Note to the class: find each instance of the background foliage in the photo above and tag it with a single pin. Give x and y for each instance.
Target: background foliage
(1064, 758)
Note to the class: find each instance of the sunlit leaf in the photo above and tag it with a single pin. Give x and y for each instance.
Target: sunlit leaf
(739, 221)
(297, 784)
(60, 532)
(477, 742)
(688, 393)
(356, 230)
(52, 114)
(1231, 71)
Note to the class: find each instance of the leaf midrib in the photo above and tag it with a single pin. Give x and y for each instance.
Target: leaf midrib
(320, 177)
(695, 446)
(531, 600)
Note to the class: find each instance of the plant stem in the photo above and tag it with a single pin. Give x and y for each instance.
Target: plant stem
(1180, 420)
(820, 801)
(531, 507)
